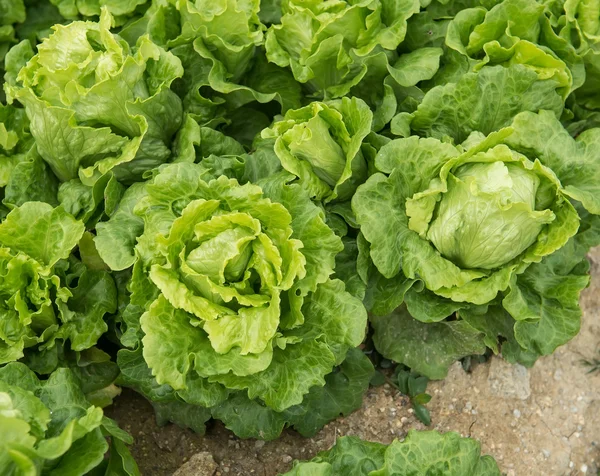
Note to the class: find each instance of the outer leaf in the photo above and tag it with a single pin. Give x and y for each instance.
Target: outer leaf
(182, 414)
(342, 394)
(485, 101)
(428, 349)
(416, 66)
(23, 227)
(249, 418)
(116, 238)
(542, 135)
(136, 374)
(545, 299)
(291, 374)
(94, 296)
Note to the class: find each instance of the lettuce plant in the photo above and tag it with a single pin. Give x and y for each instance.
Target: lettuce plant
(421, 452)
(48, 297)
(487, 225)
(241, 274)
(331, 46)
(321, 145)
(48, 427)
(225, 32)
(344, 48)
(515, 32)
(218, 44)
(510, 43)
(97, 105)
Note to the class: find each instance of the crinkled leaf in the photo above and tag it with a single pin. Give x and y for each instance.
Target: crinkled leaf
(427, 348)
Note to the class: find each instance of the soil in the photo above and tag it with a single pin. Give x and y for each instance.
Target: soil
(539, 421)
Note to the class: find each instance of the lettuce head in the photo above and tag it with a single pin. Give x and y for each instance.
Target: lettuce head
(488, 226)
(498, 59)
(98, 105)
(330, 46)
(232, 301)
(49, 298)
(321, 144)
(227, 78)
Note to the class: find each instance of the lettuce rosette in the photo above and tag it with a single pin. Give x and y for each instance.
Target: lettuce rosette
(498, 60)
(53, 305)
(515, 32)
(349, 48)
(483, 241)
(321, 145)
(48, 427)
(232, 306)
(333, 46)
(226, 75)
(96, 104)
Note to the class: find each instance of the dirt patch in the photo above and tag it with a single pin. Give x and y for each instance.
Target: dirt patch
(541, 421)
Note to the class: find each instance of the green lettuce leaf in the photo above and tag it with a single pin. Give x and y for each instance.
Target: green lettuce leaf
(427, 348)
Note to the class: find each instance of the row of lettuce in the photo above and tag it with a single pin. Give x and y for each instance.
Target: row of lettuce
(208, 202)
